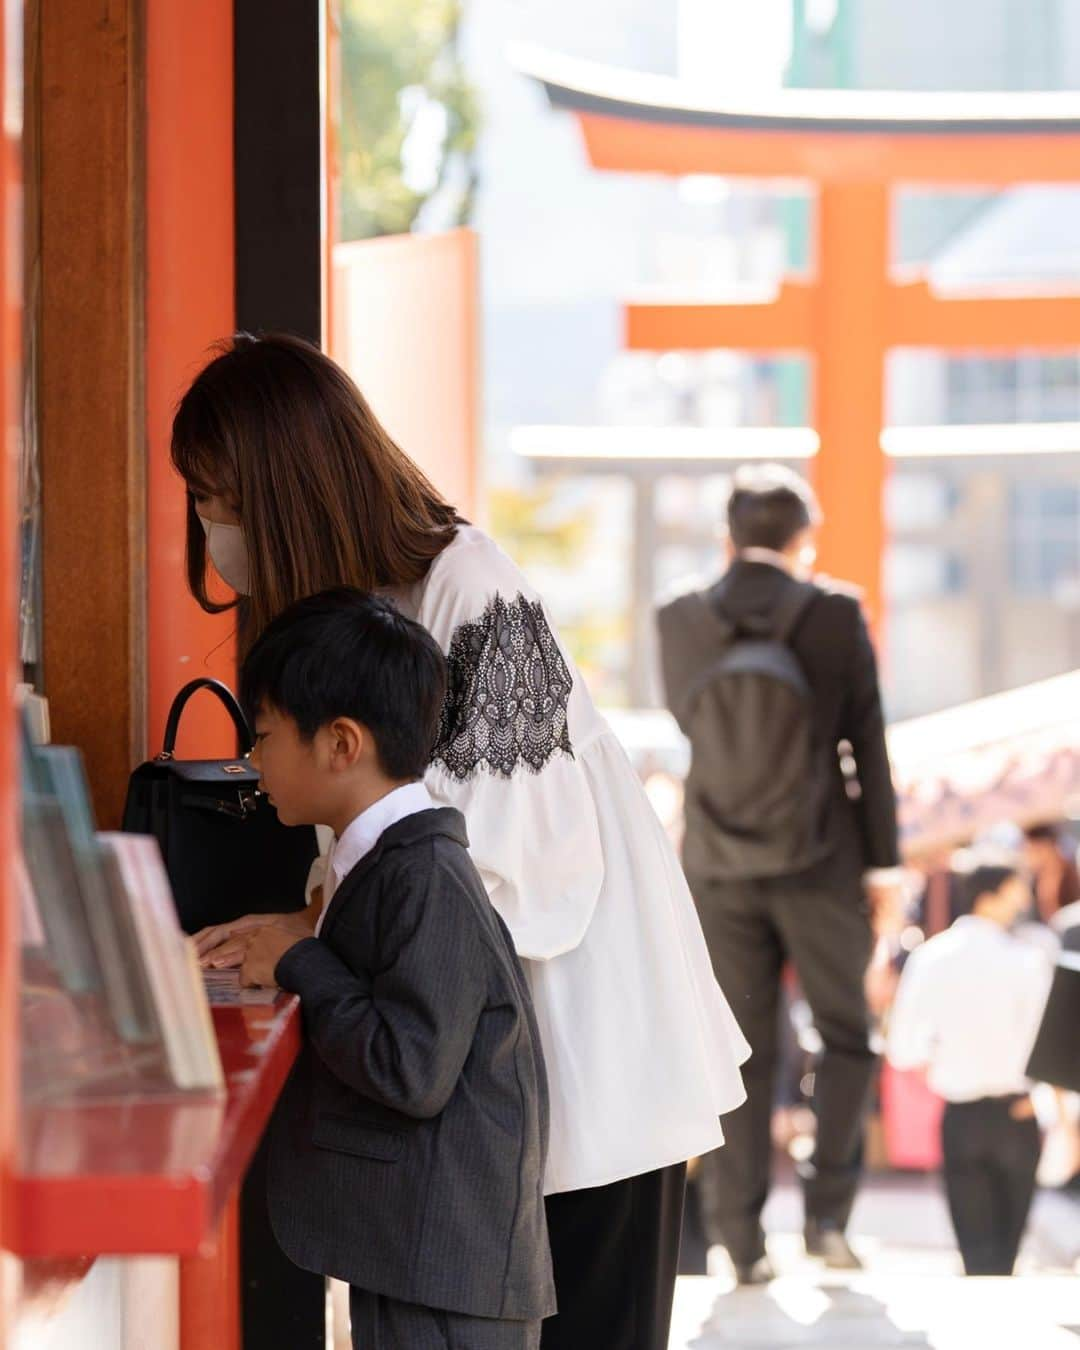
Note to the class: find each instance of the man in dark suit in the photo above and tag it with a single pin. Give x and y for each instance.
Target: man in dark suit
(815, 909)
(408, 1148)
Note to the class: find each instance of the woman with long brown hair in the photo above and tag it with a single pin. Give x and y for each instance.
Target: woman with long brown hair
(294, 487)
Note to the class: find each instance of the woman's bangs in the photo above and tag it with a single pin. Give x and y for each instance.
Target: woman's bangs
(197, 465)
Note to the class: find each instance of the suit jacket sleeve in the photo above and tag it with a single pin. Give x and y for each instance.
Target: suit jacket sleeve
(864, 726)
(399, 1036)
(684, 651)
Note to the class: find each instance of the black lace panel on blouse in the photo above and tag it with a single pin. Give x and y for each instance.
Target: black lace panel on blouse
(507, 692)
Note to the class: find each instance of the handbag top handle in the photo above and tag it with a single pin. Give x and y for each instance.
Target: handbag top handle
(225, 694)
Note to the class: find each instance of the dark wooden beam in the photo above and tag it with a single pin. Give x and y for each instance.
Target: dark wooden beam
(278, 167)
(278, 203)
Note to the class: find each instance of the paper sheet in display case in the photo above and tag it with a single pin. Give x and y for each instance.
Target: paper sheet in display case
(169, 959)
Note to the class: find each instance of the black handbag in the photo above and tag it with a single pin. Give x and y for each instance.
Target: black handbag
(226, 852)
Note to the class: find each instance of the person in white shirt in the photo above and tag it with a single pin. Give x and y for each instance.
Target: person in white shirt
(294, 487)
(968, 1009)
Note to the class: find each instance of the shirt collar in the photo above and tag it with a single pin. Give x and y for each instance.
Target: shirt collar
(769, 556)
(363, 833)
(975, 924)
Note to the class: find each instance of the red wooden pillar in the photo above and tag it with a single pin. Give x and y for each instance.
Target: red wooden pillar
(210, 1290)
(851, 313)
(11, 277)
(189, 306)
(11, 313)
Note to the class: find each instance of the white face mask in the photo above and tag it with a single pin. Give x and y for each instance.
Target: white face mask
(228, 553)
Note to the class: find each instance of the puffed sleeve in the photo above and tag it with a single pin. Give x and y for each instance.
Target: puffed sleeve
(505, 756)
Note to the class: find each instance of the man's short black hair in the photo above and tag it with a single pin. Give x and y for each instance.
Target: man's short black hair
(1044, 832)
(769, 505)
(345, 653)
(986, 879)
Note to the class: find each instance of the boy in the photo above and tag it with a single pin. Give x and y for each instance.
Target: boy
(408, 1150)
(968, 1007)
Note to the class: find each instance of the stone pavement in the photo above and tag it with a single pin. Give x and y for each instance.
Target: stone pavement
(879, 1308)
(911, 1293)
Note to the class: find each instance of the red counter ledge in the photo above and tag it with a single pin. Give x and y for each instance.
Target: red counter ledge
(147, 1175)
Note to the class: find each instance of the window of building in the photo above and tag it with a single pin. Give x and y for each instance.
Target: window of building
(1044, 538)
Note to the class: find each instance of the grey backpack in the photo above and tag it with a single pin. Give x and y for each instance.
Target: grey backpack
(757, 789)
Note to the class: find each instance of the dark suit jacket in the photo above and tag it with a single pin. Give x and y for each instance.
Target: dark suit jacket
(408, 1149)
(1055, 1057)
(832, 645)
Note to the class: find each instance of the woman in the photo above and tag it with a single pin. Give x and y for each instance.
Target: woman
(294, 486)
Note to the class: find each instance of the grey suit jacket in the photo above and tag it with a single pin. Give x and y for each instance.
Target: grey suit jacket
(408, 1149)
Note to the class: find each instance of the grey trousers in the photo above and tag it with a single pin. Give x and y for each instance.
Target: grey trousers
(380, 1323)
(751, 927)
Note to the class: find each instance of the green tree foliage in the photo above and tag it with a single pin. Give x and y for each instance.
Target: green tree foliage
(402, 78)
(539, 530)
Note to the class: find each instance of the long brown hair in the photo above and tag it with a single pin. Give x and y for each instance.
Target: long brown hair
(324, 495)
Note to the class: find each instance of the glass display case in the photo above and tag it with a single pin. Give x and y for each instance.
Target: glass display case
(112, 997)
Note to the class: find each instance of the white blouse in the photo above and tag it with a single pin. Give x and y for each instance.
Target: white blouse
(641, 1048)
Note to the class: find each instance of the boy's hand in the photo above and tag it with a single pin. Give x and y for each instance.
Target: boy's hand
(207, 939)
(265, 948)
(224, 945)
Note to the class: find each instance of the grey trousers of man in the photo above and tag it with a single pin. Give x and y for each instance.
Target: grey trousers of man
(752, 928)
(380, 1323)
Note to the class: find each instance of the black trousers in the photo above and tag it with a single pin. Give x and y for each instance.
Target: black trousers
(281, 1305)
(751, 928)
(615, 1250)
(990, 1164)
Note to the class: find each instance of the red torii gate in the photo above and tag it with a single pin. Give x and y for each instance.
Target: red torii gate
(854, 147)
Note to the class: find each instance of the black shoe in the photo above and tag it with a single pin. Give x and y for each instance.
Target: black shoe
(757, 1272)
(829, 1243)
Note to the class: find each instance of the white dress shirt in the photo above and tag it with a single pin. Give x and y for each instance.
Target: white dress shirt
(968, 1008)
(362, 834)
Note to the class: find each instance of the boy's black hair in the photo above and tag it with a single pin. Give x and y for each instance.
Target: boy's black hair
(769, 505)
(986, 879)
(1043, 832)
(347, 653)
